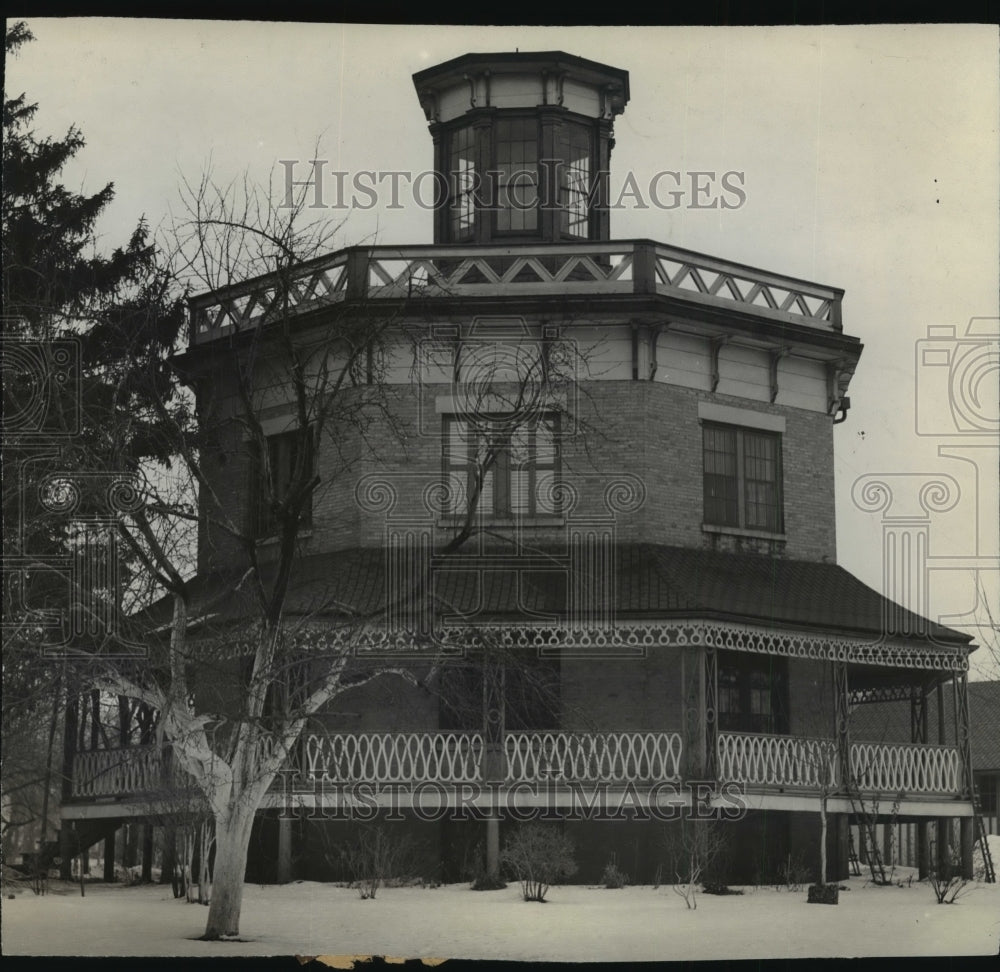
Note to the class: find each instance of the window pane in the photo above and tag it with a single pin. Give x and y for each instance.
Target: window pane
(721, 486)
(762, 496)
(462, 180)
(574, 180)
(517, 168)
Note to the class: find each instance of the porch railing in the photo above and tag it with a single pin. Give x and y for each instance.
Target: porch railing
(766, 760)
(906, 768)
(393, 757)
(113, 772)
(432, 271)
(617, 757)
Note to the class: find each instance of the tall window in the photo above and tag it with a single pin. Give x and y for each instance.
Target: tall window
(462, 182)
(742, 478)
(517, 174)
(574, 180)
(512, 471)
(283, 471)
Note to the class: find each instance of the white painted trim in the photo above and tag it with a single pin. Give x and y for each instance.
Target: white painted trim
(748, 417)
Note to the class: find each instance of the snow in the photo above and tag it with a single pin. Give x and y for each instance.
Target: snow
(576, 923)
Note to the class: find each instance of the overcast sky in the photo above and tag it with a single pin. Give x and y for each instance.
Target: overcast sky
(869, 158)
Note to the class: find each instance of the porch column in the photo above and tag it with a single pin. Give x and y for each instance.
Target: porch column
(707, 678)
(147, 853)
(923, 849)
(169, 854)
(284, 850)
(494, 768)
(943, 855)
(842, 708)
(965, 845)
(963, 739)
(695, 711)
(109, 854)
(841, 827)
(67, 849)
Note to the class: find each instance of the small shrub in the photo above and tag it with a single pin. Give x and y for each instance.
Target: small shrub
(712, 888)
(377, 858)
(947, 882)
(613, 876)
(538, 856)
(695, 851)
(794, 874)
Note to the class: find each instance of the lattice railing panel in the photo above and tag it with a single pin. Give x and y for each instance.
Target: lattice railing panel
(393, 757)
(116, 772)
(906, 768)
(252, 304)
(623, 267)
(618, 757)
(714, 280)
(765, 760)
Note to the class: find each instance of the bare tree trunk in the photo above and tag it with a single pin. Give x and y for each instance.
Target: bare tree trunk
(232, 842)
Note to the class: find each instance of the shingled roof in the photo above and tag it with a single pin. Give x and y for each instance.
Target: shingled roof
(651, 581)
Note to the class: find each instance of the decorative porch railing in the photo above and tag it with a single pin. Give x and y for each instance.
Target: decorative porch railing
(617, 757)
(422, 272)
(114, 772)
(393, 757)
(906, 768)
(766, 760)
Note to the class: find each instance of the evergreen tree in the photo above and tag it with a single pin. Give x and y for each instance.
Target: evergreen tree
(87, 388)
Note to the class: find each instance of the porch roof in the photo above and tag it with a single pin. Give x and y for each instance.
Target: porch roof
(650, 582)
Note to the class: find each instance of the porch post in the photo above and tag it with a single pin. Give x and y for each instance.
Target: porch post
(169, 854)
(923, 849)
(284, 850)
(147, 853)
(711, 712)
(965, 844)
(842, 825)
(109, 854)
(494, 768)
(842, 706)
(943, 854)
(962, 734)
(693, 682)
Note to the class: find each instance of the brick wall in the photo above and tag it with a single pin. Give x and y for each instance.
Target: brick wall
(648, 429)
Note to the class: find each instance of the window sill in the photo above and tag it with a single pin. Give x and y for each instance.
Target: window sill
(272, 541)
(741, 532)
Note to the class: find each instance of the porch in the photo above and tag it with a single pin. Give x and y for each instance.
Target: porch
(759, 763)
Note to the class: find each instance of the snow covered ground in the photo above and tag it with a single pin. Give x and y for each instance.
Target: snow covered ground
(577, 923)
